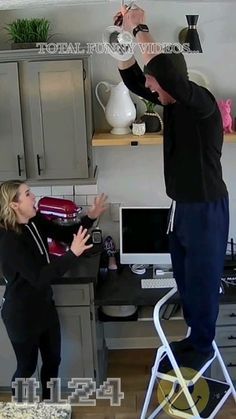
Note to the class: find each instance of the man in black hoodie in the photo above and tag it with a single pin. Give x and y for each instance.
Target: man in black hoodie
(28, 309)
(199, 219)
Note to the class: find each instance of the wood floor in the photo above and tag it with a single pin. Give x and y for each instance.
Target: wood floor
(133, 367)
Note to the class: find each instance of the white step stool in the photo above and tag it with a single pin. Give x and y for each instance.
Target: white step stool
(182, 383)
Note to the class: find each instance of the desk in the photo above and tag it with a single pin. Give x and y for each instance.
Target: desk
(124, 287)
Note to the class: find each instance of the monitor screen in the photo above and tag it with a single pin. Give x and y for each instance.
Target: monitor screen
(143, 237)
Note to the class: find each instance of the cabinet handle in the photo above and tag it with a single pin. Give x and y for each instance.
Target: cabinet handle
(18, 164)
(232, 315)
(38, 165)
(231, 337)
(231, 364)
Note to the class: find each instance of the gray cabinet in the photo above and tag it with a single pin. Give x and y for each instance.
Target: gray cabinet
(45, 118)
(76, 350)
(57, 117)
(12, 156)
(74, 305)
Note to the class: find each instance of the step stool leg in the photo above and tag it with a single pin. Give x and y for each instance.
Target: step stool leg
(224, 370)
(152, 381)
(179, 378)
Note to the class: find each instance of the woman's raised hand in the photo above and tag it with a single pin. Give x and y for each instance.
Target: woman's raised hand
(98, 207)
(78, 245)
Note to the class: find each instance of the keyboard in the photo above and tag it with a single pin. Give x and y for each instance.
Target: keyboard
(165, 282)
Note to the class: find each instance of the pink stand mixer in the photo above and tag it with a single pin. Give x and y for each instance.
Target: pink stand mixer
(61, 211)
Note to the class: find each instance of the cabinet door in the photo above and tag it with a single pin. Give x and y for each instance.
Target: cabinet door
(76, 352)
(12, 164)
(57, 113)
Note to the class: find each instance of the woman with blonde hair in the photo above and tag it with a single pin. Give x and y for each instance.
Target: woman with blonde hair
(28, 309)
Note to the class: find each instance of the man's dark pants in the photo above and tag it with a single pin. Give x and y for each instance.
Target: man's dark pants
(198, 246)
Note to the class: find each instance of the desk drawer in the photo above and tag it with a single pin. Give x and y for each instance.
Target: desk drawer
(71, 295)
(229, 358)
(227, 314)
(226, 336)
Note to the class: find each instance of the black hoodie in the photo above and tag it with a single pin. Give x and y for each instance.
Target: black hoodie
(28, 273)
(193, 132)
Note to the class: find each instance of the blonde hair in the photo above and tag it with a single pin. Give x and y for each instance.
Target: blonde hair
(9, 192)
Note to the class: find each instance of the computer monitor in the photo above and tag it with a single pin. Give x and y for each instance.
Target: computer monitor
(143, 236)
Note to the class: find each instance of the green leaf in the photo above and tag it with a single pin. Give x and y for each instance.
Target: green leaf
(29, 30)
(150, 106)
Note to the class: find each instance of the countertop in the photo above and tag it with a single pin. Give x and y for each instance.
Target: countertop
(120, 287)
(123, 287)
(84, 272)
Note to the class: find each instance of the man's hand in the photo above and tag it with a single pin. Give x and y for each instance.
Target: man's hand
(132, 18)
(99, 207)
(129, 18)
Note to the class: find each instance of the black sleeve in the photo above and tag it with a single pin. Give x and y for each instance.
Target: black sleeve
(180, 88)
(60, 232)
(30, 268)
(134, 79)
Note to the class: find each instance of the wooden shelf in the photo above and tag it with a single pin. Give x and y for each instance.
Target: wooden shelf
(109, 140)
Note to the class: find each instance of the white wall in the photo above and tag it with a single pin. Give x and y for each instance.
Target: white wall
(135, 175)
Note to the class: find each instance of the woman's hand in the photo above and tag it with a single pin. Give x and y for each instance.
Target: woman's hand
(78, 245)
(99, 207)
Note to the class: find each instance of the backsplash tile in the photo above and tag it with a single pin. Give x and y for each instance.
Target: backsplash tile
(90, 199)
(70, 197)
(114, 209)
(86, 189)
(80, 199)
(62, 190)
(41, 190)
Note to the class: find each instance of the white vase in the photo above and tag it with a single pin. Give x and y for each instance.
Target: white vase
(120, 111)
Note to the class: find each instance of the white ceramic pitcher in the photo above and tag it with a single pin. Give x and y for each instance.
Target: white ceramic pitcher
(120, 111)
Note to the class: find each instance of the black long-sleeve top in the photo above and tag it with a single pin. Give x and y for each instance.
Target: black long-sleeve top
(193, 132)
(28, 273)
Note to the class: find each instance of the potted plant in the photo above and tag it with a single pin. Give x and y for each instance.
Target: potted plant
(151, 118)
(25, 33)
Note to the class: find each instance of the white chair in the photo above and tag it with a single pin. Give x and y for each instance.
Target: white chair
(182, 386)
